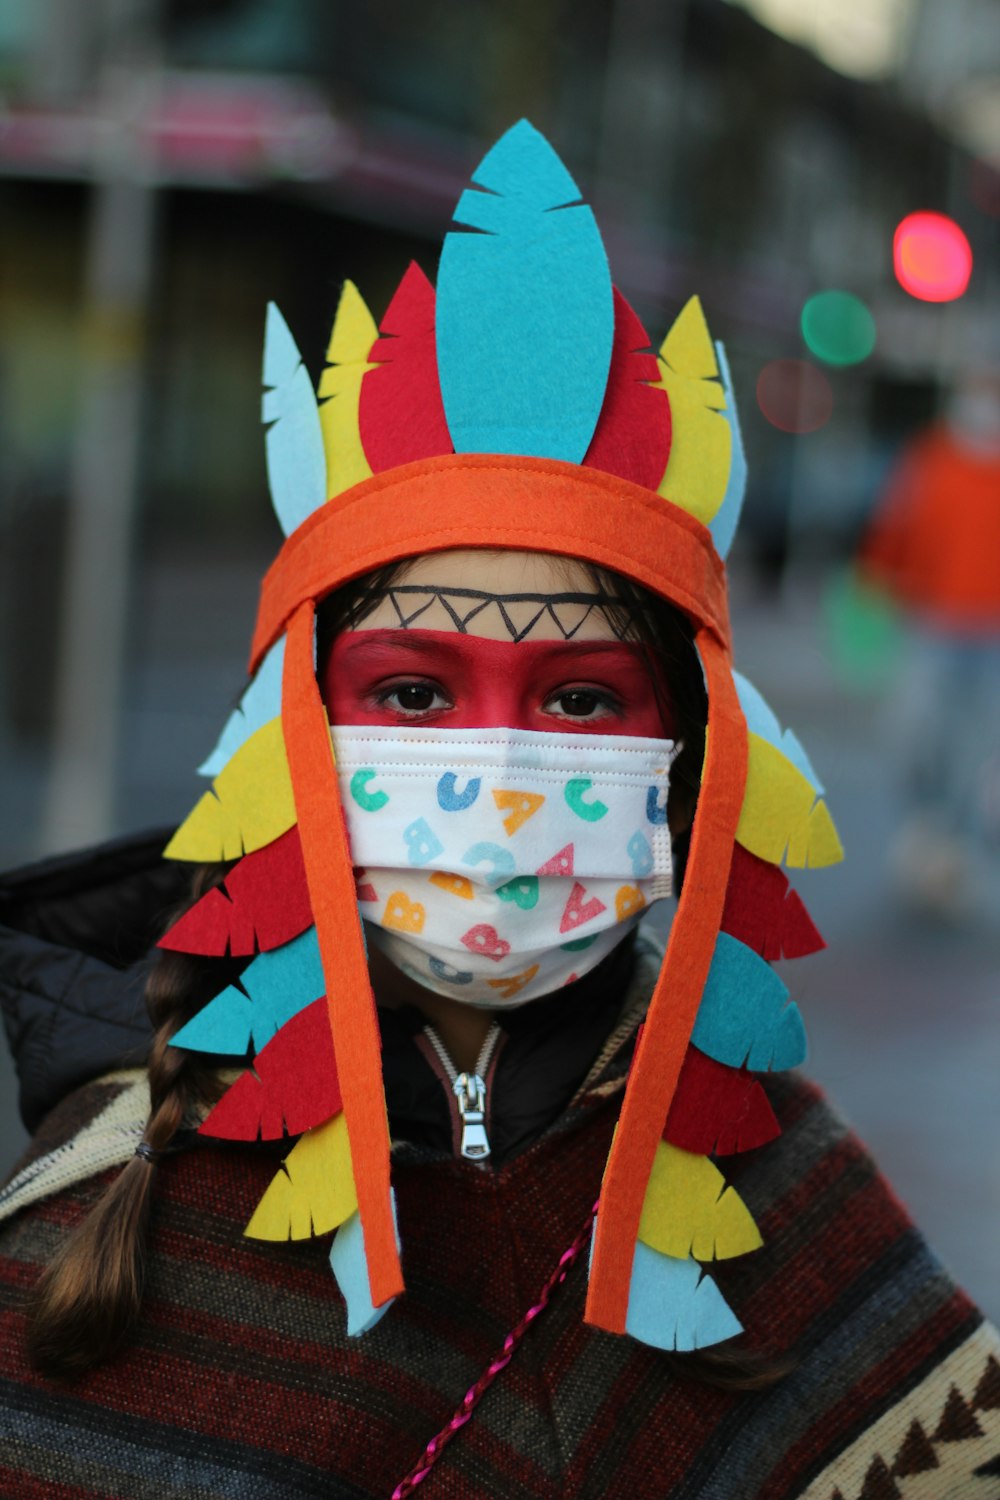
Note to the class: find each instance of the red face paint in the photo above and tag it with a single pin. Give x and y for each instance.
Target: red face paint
(441, 677)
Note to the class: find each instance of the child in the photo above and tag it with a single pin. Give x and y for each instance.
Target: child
(512, 612)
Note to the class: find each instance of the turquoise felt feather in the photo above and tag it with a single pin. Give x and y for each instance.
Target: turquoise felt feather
(272, 989)
(296, 461)
(525, 317)
(745, 1016)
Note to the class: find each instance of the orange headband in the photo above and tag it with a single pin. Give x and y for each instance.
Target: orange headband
(481, 500)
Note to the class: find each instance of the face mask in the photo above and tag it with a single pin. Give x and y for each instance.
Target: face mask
(495, 865)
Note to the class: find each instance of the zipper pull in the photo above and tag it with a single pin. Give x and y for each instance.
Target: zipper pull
(470, 1091)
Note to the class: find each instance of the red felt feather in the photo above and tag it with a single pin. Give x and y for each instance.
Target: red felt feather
(263, 904)
(632, 436)
(292, 1086)
(401, 414)
(764, 912)
(717, 1109)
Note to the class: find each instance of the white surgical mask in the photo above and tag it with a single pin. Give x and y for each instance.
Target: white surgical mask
(496, 865)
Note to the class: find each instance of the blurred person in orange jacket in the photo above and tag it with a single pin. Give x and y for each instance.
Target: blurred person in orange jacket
(934, 546)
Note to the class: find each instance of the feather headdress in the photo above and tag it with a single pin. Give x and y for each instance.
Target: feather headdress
(517, 405)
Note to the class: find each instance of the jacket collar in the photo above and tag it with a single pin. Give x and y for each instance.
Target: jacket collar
(109, 1115)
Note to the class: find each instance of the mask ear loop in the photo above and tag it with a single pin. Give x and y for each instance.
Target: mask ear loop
(330, 878)
(676, 997)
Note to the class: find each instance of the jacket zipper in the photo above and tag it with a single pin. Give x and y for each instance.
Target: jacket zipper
(469, 1090)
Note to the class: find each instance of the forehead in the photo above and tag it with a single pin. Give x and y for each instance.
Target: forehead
(497, 595)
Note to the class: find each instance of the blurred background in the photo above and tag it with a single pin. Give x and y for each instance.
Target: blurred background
(825, 175)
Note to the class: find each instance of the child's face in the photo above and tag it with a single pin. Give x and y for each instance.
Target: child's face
(473, 639)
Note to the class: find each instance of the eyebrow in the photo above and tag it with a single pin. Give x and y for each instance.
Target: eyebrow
(382, 642)
(379, 642)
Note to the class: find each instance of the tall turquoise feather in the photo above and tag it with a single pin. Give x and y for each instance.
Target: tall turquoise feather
(525, 317)
(296, 461)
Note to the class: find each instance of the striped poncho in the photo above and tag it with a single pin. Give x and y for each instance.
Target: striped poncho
(242, 1381)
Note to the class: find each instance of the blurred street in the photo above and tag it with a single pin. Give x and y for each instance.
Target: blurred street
(903, 1014)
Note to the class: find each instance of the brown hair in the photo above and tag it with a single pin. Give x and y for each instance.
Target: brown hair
(87, 1301)
(88, 1297)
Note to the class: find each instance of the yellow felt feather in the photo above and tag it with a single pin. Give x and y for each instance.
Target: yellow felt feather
(697, 471)
(314, 1190)
(250, 804)
(354, 333)
(689, 1210)
(689, 350)
(782, 818)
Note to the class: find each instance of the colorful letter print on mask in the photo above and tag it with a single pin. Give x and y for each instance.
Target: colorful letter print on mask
(498, 863)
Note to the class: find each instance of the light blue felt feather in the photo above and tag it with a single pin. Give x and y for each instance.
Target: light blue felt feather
(745, 1015)
(673, 1304)
(350, 1266)
(260, 703)
(525, 317)
(278, 984)
(723, 524)
(296, 461)
(761, 719)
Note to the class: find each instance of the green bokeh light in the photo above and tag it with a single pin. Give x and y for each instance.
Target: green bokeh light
(864, 632)
(838, 328)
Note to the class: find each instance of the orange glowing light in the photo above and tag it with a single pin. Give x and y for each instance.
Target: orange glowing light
(932, 257)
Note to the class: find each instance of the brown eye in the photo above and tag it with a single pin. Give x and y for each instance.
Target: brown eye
(588, 705)
(416, 698)
(578, 705)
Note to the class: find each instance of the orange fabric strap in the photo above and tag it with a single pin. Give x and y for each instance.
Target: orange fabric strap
(330, 877)
(531, 504)
(674, 1004)
(481, 500)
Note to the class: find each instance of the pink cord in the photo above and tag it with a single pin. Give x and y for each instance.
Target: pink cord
(499, 1362)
